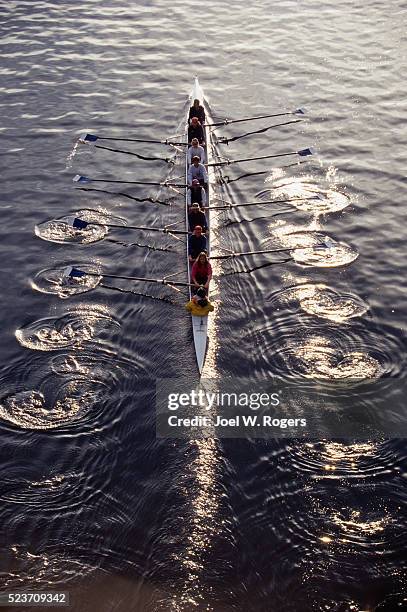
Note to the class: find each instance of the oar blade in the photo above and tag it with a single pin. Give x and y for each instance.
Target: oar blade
(88, 138)
(306, 152)
(79, 223)
(299, 111)
(78, 178)
(72, 272)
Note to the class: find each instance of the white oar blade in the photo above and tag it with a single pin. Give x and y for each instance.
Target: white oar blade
(329, 242)
(299, 111)
(67, 271)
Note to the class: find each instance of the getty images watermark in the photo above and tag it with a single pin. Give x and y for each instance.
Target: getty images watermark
(277, 408)
(212, 406)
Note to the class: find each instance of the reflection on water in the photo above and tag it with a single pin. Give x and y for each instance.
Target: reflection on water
(204, 524)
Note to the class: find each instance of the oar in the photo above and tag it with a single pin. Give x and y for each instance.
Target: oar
(92, 138)
(167, 160)
(327, 244)
(298, 111)
(265, 265)
(150, 247)
(147, 295)
(73, 272)
(78, 178)
(229, 206)
(125, 195)
(225, 180)
(82, 224)
(301, 153)
(225, 140)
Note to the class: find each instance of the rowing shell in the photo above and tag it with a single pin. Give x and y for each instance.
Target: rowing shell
(199, 324)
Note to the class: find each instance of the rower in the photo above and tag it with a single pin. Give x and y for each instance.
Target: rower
(197, 171)
(196, 193)
(196, 216)
(201, 272)
(199, 305)
(198, 111)
(196, 149)
(195, 130)
(196, 243)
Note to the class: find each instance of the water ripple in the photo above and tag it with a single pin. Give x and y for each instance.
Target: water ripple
(56, 280)
(322, 301)
(62, 231)
(70, 330)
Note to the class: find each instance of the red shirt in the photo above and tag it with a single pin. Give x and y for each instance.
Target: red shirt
(199, 271)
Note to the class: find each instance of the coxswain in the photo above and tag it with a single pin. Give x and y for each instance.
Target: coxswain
(196, 149)
(201, 272)
(196, 243)
(196, 216)
(197, 171)
(196, 193)
(199, 305)
(198, 111)
(195, 130)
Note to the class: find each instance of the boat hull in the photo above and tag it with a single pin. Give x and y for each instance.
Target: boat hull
(200, 324)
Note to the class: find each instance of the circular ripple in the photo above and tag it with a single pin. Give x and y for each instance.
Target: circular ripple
(301, 346)
(293, 238)
(82, 365)
(284, 187)
(29, 409)
(62, 230)
(328, 304)
(313, 248)
(70, 330)
(25, 484)
(55, 281)
(316, 357)
(332, 201)
(333, 255)
(45, 392)
(323, 301)
(65, 365)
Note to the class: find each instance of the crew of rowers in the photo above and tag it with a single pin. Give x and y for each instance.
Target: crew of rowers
(201, 271)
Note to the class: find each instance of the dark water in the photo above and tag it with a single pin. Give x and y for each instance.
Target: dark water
(91, 501)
